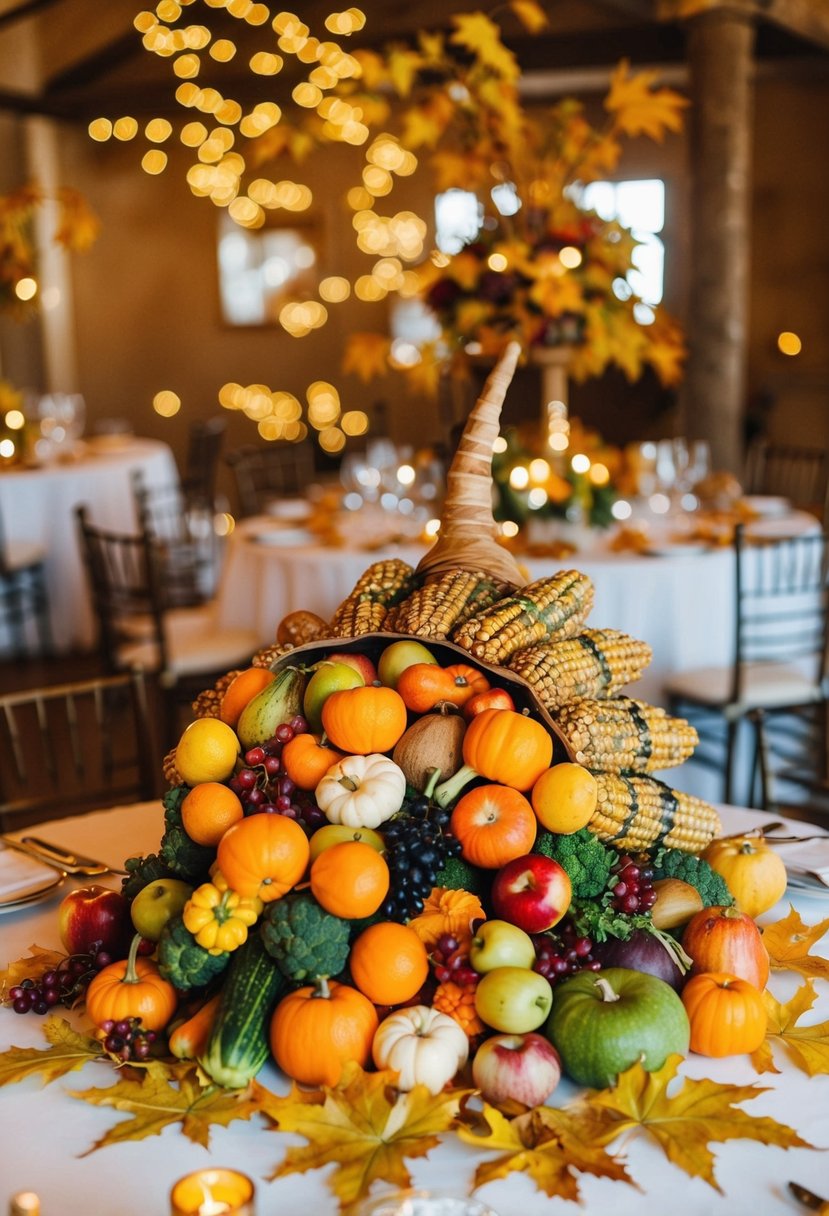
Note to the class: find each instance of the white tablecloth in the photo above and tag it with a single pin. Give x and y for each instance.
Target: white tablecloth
(38, 506)
(46, 1131)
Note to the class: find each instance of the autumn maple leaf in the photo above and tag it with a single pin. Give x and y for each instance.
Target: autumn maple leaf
(68, 1051)
(788, 942)
(366, 355)
(365, 1127)
(543, 1143)
(479, 34)
(699, 1113)
(37, 962)
(638, 108)
(530, 14)
(78, 225)
(167, 1095)
(808, 1045)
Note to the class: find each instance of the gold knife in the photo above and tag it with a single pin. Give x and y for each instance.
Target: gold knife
(821, 1206)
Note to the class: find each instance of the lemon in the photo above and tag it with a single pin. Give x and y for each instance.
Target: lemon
(207, 751)
(564, 798)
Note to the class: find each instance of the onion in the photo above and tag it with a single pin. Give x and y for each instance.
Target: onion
(649, 951)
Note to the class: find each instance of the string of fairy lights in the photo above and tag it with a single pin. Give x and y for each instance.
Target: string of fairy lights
(222, 137)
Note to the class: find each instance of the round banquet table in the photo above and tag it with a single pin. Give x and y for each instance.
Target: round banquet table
(37, 507)
(47, 1132)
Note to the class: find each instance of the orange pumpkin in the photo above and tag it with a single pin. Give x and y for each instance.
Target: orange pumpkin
(727, 1015)
(494, 824)
(503, 746)
(724, 939)
(350, 879)
(306, 760)
(423, 686)
(263, 855)
(388, 963)
(316, 1029)
(131, 988)
(364, 720)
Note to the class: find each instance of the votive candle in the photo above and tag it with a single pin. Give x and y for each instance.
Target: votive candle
(213, 1192)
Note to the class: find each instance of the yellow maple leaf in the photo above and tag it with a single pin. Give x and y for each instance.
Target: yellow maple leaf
(164, 1096)
(78, 225)
(39, 960)
(556, 294)
(431, 46)
(530, 14)
(479, 34)
(366, 355)
(542, 1143)
(808, 1045)
(423, 377)
(638, 108)
(666, 350)
(697, 1114)
(403, 66)
(466, 171)
(365, 1128)
(373, 71)
(788, 941)
(68, 1051)
(424, 124)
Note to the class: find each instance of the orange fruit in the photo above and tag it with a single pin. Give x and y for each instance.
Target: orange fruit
(388, 963)
(350, 879)
(495, 824)
(564, 798)
(241, 690)
(208, 811)
(207, 751)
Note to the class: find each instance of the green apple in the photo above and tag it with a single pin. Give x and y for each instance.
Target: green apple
(340, 833)
(497, 943)
(397, 657)
(327, 678)
(157, 903)
(513, 999)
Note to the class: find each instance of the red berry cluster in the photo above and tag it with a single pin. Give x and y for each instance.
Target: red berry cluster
(263, 785)
(450, 960)
(61, 985)
(562, 952)
(633, 889)
(126, 1039)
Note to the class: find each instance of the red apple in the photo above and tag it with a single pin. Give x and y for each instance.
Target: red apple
(95, 914)
(493, 698)
(532, 892)
(516, 1067)
(360, 662)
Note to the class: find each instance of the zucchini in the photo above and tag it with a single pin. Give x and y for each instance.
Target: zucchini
(238, 1045)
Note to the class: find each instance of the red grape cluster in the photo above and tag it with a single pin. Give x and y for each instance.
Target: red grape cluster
(127, 1039)
(263, 785)
(61, 985)
(633, 889)
(450, 959)
(562, 952)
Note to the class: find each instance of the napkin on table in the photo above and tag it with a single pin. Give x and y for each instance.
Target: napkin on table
(19, 872)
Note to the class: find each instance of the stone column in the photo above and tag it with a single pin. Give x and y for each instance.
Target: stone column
(720, 57)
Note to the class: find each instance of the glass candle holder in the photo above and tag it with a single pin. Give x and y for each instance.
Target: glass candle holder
(213, 1192)
(423, 1203)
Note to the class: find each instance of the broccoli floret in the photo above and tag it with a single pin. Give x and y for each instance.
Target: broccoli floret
(304, 939)
(141, 871)
(674, 863)
(458, 874)
(587, 861)
(181, 959)
(184, 858)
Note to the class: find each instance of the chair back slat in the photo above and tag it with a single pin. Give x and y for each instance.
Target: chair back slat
(202, 461)
(264, 473)
(76, 746)
(179, 522)
(800, 474)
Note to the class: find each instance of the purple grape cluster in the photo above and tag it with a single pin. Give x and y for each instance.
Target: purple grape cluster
(263, 785)
(127, 1039)
(633, 889)
(61, 985)
(562, 952)
(450, 960)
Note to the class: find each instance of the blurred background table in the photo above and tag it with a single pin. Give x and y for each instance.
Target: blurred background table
(37, 507)
(135, 1177)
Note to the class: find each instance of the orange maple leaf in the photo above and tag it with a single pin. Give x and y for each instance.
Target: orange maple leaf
(638, 108)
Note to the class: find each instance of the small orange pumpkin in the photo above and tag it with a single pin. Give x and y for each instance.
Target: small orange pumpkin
(494, 824)
(316, 1029)
(306, 760)
(503, 746)
(131, 988)
(727, 1015)
(423, 686)
(350, 879)
(263, 855)
(725, 939)
(364, 720)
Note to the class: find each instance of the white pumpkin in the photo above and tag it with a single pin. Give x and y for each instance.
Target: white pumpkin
(361, 791)
(425, 1046)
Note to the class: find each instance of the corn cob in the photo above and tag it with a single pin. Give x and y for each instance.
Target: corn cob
(549, 609)
(269, 654)
(623, 735)
(594, 664)
(444, 603)
(384, 584)
(636, 813)
(207, 703)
